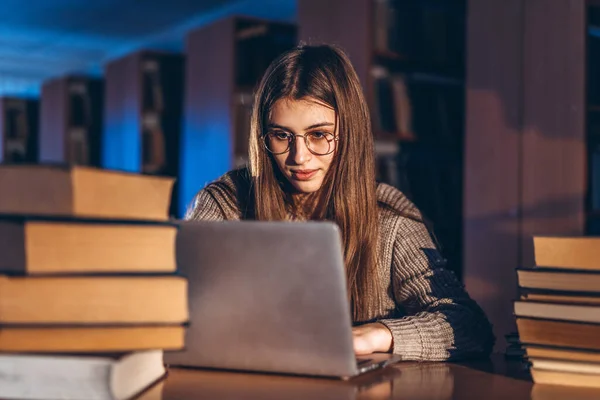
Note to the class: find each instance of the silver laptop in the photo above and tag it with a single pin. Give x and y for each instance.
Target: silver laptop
(268, 297)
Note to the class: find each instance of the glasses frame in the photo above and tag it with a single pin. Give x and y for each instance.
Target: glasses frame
(289, 146)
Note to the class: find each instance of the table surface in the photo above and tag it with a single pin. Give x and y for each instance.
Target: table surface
(491, 379)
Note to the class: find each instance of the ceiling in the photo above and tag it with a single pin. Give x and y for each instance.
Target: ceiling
(43, 39)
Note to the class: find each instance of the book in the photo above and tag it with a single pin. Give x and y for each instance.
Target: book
(579, 253)
(559, 333)
(94, 377)
(242, 116)
(384, 117)
(560, 297)
(555, 392)
(78, 146)
(557, 311)
(154, 158)
(41, 246)
(580, 367)
(402, 108)
(562, 353)
(84, 192)
(559, 280)
(90, 339)
(564, 378)
(93, 300)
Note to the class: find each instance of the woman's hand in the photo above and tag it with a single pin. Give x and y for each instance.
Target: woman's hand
(372, 338)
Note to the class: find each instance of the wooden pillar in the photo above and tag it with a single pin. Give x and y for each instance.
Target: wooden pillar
(121, 138)
(346, 23)
(554, 147)
(492, 145)
(54, 121)
(207, 141)
(525, 148)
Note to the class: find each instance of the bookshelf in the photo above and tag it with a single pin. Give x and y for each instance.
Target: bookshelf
(593, 118)
(410, 58)
(71, 120)
(18, 130)
(142, 114)
(220, 79)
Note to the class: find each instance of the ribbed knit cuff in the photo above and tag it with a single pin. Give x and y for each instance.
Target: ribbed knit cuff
(408, 342)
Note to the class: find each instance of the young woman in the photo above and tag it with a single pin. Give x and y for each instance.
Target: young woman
(312, 158)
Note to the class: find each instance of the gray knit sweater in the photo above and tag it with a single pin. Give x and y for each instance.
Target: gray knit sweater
(428, 311)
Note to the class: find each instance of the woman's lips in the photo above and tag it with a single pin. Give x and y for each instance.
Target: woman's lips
(304, 174)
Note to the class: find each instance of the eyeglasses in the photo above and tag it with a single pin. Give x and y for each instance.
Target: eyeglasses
(318, 143)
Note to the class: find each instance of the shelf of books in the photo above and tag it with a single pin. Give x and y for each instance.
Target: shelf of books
(417, 98)
(593, 119)
(18, 130)
(71, 120)
(257, 44)
(412, 70)
(220, 80)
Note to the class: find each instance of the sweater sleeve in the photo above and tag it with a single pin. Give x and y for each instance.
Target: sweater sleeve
(205, 207)
(441, 321)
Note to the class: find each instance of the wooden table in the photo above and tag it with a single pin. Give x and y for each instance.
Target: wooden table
(486, 380)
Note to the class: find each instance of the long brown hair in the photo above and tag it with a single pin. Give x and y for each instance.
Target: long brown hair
(347, 196)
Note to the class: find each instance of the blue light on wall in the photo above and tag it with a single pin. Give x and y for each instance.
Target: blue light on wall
(205, 155)
(121, 141)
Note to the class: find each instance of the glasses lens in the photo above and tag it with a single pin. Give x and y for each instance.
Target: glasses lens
(320, 143)
(277, 142)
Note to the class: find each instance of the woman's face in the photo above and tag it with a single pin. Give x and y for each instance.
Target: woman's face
(301, 167)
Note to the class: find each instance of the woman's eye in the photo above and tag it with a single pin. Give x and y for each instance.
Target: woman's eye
(280, 135)
(318, 135)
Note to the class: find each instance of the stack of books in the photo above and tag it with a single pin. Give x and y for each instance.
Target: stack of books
(89, 298)
(558, 311)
